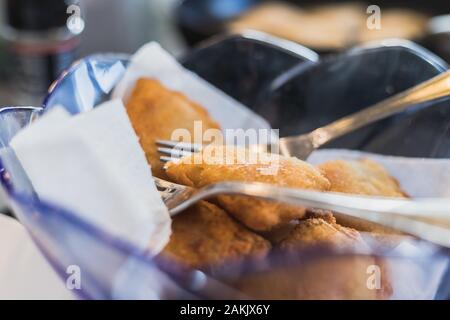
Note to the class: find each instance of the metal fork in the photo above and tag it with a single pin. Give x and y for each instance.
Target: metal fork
(302, 146)
(428, 219)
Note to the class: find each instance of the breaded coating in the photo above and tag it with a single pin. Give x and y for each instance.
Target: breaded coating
(323, 231)
(313, 280)
(155, 112)
(205, 235)
(363, 177)
(340, 277)
(227, 163)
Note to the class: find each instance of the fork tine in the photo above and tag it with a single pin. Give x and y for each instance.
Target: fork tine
(193, 147)
(174, 153)
(167, 159)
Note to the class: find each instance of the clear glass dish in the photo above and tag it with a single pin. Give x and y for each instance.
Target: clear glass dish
(275, 79)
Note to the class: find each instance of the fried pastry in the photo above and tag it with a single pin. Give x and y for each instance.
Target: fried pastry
(314, 278)
(330, 26)
(325, 27)
(397, 23)
(227, 163)
(362, 177)
(155, 112)
(205, 235)
(341, 277)
(324, 231)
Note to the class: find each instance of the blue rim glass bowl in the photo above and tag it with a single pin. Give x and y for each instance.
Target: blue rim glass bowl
(282, 81)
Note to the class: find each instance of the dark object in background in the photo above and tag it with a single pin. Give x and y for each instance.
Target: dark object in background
(304, 99)
(201, 19)
(3, 62)
(245, 65)
(41, 41)
(298, 94)
(439, 36)
(31, 15)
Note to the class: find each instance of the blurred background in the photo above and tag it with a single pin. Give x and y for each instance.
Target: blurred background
(39, 39)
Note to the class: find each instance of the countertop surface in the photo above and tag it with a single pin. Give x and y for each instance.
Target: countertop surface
(24, 272)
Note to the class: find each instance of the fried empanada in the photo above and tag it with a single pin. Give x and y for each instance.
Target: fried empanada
(229, 163)
(340, 277)
(362, 177)
(324, 231)
(155, 112)
(205, 235)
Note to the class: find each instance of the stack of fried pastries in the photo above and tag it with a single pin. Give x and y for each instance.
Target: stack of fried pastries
(234, 227)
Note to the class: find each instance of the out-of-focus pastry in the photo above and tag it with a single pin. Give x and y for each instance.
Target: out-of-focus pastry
(228, 163)
(279, 19)
(331, 26)
(155, 112)
(399, 23)
(204, 235)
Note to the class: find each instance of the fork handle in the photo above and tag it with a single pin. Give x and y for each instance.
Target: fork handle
(428, 91)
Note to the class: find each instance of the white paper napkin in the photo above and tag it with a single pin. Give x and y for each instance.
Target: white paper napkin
(93, 164)
(416, 278)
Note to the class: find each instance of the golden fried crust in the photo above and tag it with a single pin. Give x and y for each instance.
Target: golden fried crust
(364, 177)
(210, 166)
(338, 277)
(205, 235)
(323, 231)
(155, 112)
(326, 231)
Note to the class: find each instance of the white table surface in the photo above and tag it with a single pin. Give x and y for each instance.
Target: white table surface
(24, 272)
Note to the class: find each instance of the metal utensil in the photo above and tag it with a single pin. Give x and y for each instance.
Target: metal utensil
(428, 219)
(302, 146)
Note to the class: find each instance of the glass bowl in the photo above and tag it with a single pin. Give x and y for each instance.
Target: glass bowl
(286, 84)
